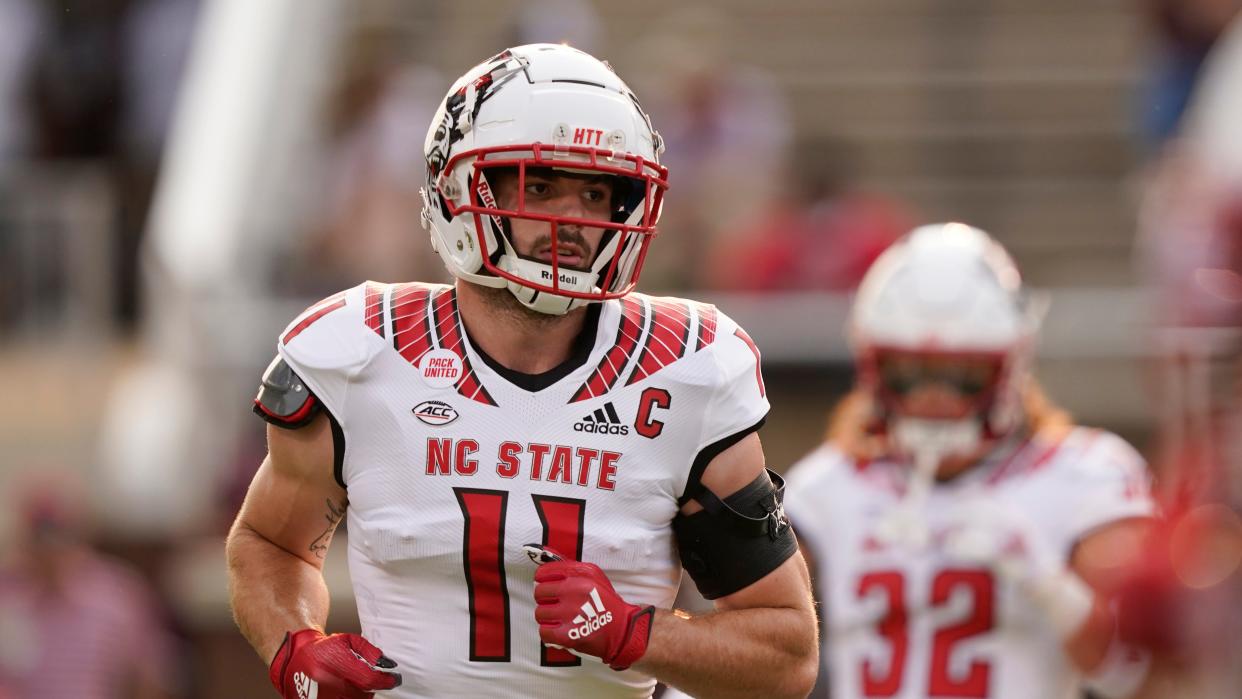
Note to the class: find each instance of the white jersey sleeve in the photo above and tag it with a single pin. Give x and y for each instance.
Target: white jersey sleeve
(1115, 485)
(1105, 481)
(330, 342)
(739, 400)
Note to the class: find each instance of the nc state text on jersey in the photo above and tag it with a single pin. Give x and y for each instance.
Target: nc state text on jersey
(582, 466)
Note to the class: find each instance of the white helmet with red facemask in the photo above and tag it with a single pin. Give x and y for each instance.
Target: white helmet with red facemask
(944, 307)
(537, 108)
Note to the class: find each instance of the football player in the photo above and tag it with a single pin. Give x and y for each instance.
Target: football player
(529, 457)
(964, 535)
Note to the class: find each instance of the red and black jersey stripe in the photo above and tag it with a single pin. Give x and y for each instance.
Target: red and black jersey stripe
(754, 349)
(448, 328)
(316, 312)
(667, 340)
(411, 330)
(373, 313)
(629, 329)
(707, 324)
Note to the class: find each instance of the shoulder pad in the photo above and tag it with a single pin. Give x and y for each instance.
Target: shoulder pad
(283, 399)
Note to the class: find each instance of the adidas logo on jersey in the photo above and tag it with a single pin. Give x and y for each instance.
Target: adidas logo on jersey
(307, 688)
(592, 618)
(603, 421)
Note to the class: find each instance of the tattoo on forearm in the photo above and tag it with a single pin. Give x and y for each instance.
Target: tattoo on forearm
(334, 514)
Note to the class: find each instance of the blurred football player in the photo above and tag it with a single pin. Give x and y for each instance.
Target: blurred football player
(963, 535)
(524, 457)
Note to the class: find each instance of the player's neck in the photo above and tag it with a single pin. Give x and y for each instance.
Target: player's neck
(515, 336)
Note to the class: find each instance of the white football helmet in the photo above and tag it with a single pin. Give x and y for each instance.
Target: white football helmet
(541, 106)
(945, 303)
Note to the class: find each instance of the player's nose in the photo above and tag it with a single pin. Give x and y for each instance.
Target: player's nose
(570, 204)
(935, 400)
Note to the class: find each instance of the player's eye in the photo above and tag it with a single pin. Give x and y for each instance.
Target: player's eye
(595, 194)
(538, 189)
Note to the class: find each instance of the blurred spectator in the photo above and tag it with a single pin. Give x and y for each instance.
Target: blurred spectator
(19, 32)
(77, 93)
(374, 169)
(727, 128)
(819, 232)
(1191, 221)
(1184, 32)
(74, 623)
(1190, 243)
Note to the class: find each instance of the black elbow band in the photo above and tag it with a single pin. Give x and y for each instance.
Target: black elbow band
(735, 542)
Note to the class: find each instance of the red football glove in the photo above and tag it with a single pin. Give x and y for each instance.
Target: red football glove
(310, 665)
(577, 609)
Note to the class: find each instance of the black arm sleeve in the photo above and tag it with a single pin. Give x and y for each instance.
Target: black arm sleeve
(735, 542)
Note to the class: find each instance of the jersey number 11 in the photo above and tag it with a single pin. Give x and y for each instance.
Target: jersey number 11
(483, 551)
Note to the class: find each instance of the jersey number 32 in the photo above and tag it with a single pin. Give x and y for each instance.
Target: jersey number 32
(886, 679)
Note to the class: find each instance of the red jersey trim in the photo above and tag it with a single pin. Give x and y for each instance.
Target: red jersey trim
(633, 318)
(411, 330)
(758, 359)
(707, 325)
(448, 328)
(667, 340)
(373, 313)
(1032, 456)
(321, 309)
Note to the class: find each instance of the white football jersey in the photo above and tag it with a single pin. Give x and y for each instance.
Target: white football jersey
(451, 468)
(915, 622)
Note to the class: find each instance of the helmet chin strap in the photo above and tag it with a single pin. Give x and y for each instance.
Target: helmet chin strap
(542, 301)
(929, 441)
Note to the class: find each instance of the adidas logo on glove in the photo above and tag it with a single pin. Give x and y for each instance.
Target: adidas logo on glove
(307, 688)
(593, 617)
(603, 421)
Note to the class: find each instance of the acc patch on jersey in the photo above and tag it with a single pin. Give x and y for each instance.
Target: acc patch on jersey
(435, 412)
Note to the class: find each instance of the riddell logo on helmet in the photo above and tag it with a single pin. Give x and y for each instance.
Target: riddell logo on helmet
(564, 278)
(489, 200)
(592, 619)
